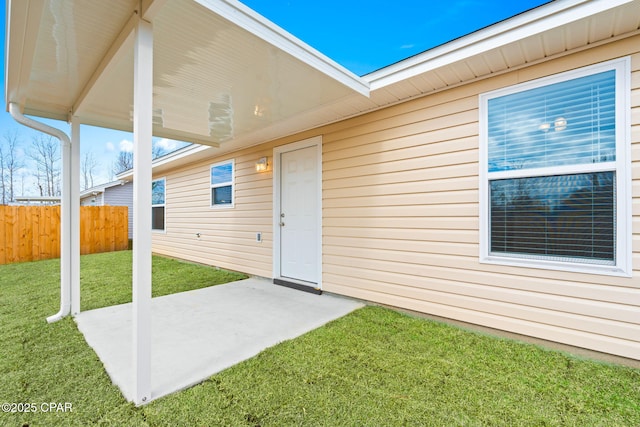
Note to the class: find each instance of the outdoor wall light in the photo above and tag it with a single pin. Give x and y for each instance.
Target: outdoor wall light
(261, 164)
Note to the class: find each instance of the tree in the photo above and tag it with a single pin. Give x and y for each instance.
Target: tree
(46, 155)
(3, 187)
(157, 151)
(89, 164)
(10, 163)
(123, 163)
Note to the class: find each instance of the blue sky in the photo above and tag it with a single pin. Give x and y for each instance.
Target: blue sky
(361, 36)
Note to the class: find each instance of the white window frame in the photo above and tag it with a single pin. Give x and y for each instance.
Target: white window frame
(622, 167)
(232, 183)
(163, 205)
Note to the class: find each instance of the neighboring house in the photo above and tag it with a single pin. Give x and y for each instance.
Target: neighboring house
(116, 193)
(493, 180)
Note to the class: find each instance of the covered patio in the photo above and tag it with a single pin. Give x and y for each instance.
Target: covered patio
(199, 333)
(211, 72)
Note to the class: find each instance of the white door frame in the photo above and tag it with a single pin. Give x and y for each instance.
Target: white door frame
(316, 142)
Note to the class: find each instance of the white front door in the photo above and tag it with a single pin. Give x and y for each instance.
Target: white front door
(298, 216)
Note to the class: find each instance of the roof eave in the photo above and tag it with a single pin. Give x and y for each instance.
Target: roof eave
(251, 21)
(536, 21)
(186, 155)
(102, 188)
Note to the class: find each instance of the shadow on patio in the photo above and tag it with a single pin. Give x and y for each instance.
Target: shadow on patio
(198, 333)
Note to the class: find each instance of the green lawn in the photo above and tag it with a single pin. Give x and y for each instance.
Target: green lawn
(374, 367)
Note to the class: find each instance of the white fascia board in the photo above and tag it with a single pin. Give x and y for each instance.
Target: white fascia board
(536, 21)
(126, 175)
(249, 20)
(169, 158)
(90, 191)
(101, 188)
(180, 154)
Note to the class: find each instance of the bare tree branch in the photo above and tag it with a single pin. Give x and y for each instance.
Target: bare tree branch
(89, 164)
(46, 155)
(10, 163)
(123, 163)
(157, 151)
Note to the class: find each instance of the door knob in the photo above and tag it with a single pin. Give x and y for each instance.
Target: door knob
(281, 224)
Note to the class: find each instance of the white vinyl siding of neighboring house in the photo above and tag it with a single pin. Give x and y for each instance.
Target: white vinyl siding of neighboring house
(92, 200)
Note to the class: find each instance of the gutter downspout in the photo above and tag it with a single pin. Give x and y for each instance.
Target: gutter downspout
(65, 222)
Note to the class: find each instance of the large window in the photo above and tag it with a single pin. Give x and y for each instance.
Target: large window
(222, 184)
(554, 174)
(157, 204)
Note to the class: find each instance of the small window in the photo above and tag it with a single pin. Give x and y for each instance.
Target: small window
(157, 204)
(222, 184)
(553, 172)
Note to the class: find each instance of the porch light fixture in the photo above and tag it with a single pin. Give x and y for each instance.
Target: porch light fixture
(261, 164)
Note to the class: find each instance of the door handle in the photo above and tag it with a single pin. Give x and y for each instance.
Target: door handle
(281, 224)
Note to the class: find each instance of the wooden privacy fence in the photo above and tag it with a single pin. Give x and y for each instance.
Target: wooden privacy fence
(31, 233)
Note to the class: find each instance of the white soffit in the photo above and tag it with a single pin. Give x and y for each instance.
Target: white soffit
(52, 48)
(551, 29)
(221, 71)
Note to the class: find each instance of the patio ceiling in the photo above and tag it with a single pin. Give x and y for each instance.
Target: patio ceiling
(221, 72)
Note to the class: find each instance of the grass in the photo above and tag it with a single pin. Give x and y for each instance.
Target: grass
(106, 278)
(374, 367)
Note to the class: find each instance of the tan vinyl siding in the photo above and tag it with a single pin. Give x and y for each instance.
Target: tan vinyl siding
(401, 222)
(401, 219)
(228, 235)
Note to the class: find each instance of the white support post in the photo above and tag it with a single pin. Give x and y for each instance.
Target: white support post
(142, 134)
(75, 216)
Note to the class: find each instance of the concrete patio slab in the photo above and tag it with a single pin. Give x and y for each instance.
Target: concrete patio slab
(198, 333)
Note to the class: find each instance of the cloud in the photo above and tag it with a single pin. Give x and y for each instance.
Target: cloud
(167, 144)
(109, 146)
(126, 146)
